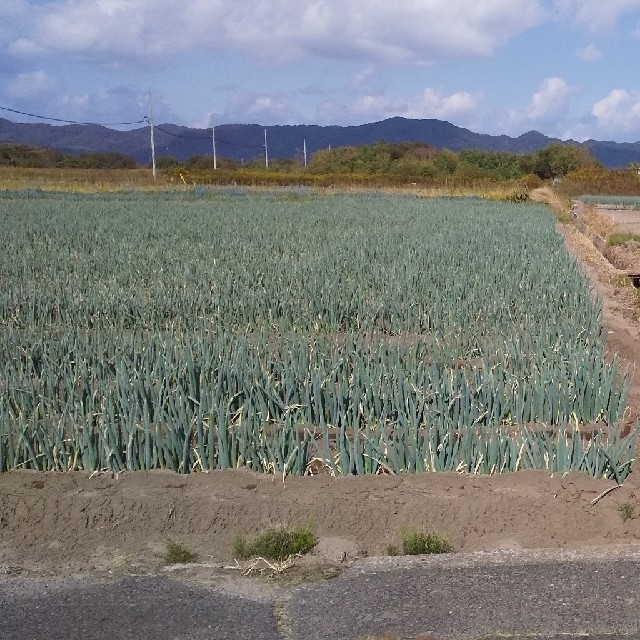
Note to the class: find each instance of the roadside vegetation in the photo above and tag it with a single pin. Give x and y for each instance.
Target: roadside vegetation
(178, 553)
(275, 544)
(400, 164)
(415, 542)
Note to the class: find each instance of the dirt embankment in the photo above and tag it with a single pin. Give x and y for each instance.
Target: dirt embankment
(71, 522)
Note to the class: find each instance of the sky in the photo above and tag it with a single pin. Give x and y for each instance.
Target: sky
(566, 68)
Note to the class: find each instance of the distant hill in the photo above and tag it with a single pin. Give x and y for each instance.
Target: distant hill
(246, 141)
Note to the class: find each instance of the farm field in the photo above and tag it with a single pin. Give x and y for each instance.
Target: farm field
(296, 333)
(623, 212)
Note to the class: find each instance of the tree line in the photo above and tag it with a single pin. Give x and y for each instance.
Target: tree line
(418, 160)
(26, 156)
(404, 159)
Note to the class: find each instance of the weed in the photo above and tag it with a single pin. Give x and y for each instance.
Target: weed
(622, 238)
(519, 195)
(419, 543)
(392, 549)
(626, 510)
(178, 553)
(276, 543)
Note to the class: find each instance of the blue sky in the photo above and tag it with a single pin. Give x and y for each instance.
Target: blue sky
(567, 68)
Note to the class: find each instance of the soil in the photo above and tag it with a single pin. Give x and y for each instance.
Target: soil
(54, 523)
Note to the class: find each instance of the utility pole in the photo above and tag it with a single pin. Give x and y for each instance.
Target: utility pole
(213, 138)
(153, 146)
(266, 153)
(304, 151)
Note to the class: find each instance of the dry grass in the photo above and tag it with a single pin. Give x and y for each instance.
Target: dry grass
(94, 180)
(597, 223)
(80, 180)
(559, 206)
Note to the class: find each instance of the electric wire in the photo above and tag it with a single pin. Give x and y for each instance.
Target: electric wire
(145, 119)
(100, 124)
(218, 140)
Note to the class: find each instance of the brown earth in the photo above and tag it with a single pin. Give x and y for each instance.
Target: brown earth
(65, 523)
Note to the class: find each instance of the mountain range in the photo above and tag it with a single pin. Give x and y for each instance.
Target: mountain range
(247, 141)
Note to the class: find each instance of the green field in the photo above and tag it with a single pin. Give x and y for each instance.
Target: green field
(627, 202)
(286, 331)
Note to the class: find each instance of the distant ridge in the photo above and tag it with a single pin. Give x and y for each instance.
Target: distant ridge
(246, 141)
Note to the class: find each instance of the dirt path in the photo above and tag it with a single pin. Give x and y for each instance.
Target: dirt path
(69, 523)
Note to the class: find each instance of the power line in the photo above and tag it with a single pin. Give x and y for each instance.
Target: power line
(100, 124)
(145, 119)
(232, 144)
(245, 146)
(177, 135)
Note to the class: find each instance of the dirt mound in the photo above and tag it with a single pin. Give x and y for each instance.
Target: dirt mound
(72, 522)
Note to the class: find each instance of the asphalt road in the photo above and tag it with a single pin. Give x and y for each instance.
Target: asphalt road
(540, 595)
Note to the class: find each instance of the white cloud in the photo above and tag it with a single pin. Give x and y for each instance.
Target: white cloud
(428, 104)
(282, 108)
(30, 85)
(551, 101)
(25, 48)
(12, 17)
(363, 76)
(548, 111)
(597, 15)
(619, 112)
(276, 108)
(275, 30)
(590, 53)
(13, 8)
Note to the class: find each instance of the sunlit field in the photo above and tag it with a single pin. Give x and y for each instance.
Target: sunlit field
(296, 332)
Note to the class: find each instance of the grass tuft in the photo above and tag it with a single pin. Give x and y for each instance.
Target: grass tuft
(178, 553)
(416, 542)
(276, 543)
(626, 510)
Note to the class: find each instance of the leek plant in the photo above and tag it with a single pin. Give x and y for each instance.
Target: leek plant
(377, 334)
